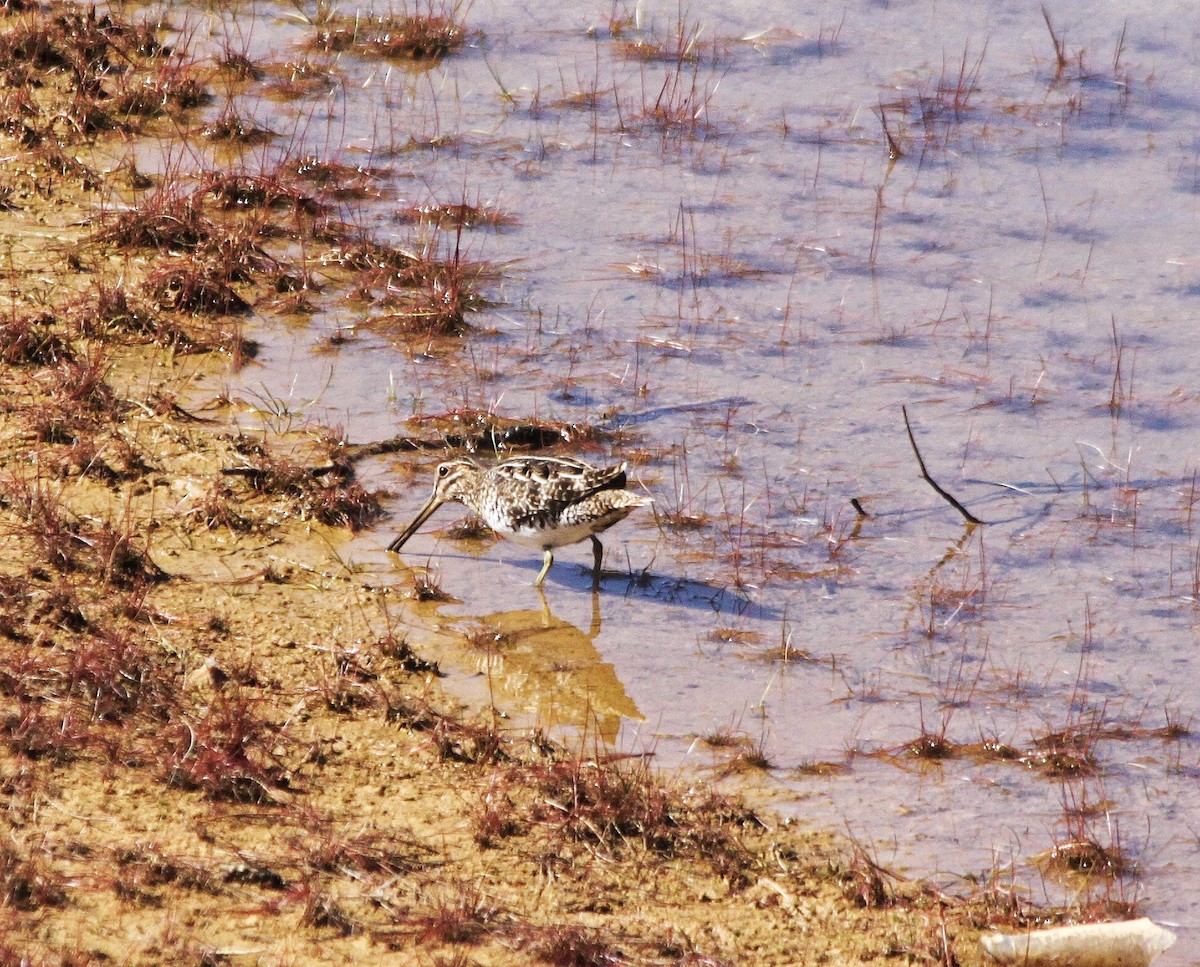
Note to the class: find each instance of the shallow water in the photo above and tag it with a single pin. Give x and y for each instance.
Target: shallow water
(753, 293)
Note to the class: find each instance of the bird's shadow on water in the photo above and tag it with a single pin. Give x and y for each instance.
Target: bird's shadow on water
(679, 592)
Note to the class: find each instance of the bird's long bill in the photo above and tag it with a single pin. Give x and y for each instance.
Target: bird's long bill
(429, 508)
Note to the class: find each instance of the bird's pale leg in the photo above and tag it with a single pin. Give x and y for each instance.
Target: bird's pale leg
(597, 556)
(537, 582)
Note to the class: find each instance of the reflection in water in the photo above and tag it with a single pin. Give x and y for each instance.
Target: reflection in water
(551, 669)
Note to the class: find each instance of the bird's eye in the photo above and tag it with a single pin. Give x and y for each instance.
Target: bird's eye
(443, 470)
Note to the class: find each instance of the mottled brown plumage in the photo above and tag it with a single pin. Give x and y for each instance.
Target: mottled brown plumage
(542, 502)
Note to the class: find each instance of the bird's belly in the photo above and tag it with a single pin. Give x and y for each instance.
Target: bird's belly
(543, 537)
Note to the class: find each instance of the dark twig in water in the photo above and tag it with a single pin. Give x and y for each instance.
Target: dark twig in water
(945, 495)
(895, 152)
(857, 505)
(1060, 46)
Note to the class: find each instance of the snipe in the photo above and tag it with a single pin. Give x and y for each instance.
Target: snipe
(542, 502)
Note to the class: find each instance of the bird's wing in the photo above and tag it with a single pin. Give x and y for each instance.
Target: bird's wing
(545, 485)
